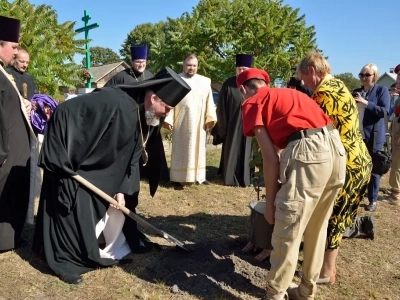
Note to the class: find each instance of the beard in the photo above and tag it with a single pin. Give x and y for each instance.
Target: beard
(151, 118)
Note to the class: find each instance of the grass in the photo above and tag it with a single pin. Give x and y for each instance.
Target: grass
(366, 269)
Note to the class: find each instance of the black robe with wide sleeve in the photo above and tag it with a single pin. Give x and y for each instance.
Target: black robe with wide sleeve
(125, 76)
(97, 136)
(22, 78)
(236, 148)
(156, 168)
(15, 171)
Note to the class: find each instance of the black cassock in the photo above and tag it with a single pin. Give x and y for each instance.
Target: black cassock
(25, 82)
(125, 76)
(15, 172)
(236, 148)
(96, 136)
(157, 168)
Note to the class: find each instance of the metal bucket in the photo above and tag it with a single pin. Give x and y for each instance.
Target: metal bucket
(260, 229)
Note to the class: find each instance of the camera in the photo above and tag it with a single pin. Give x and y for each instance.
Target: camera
(355, 94)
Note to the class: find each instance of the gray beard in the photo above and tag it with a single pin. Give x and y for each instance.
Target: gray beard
(151, 118)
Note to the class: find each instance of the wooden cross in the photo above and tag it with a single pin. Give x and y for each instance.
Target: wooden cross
(86, 29)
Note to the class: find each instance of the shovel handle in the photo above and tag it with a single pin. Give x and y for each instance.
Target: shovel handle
(112, 201)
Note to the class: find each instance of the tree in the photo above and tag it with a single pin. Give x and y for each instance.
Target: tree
(218, 29)
(350, 82)
(51, 46)
(100, 56)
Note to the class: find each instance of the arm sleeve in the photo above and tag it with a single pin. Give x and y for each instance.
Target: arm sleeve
(211, 115)
(131, 182)
(252, 117)
(220, 130)
(382, 102)
(3, 136)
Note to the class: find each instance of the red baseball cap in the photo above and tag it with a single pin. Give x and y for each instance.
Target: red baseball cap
(252, 73)
(397, 69)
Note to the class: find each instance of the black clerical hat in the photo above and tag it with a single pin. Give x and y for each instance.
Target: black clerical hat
(166, 84)
(139, 52)
(244, 60)
(9, 29)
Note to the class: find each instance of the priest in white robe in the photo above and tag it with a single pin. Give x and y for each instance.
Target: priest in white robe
(189, 121)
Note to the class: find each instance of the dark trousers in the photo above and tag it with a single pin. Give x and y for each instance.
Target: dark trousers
(373, 188)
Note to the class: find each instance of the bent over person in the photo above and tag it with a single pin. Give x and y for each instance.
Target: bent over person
(99, 137)
(311, 168)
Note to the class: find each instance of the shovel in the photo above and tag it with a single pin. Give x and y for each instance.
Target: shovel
(127, 212)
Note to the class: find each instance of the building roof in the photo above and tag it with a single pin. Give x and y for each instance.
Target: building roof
(392, 75)
(102, 71)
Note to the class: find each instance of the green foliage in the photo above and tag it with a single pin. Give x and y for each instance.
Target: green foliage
(101, 56)
(51, 46)
(350, 82)
(216, 30)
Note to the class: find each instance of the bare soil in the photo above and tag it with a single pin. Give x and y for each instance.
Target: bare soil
(213, 221)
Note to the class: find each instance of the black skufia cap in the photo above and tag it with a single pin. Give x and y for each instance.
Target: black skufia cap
(166, 84)
(9, 29)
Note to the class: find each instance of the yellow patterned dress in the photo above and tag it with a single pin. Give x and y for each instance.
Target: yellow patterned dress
(337, 102)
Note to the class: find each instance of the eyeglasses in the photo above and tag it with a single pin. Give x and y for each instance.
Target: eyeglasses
(139, 62)
(361, 75)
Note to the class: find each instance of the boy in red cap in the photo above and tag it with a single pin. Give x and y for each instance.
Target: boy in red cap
(311, 166)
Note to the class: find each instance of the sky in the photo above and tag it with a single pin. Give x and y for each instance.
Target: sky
(351, 33)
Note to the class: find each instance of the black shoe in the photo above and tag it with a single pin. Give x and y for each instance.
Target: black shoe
(72, 279)
(206, 182)
(368, 227)
(177, 186)
(125, 261)
(371, 207)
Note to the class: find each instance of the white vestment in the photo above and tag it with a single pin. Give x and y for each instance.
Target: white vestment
(188, 153)
(111, 226)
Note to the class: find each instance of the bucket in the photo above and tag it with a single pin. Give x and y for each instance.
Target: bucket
(260, 229)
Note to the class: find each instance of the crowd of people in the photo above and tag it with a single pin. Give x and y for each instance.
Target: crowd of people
(317, 140)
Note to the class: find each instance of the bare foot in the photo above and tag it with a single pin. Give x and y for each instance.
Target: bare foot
(263, 255)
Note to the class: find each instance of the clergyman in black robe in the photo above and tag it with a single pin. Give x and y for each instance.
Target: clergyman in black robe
(25, 82)
(98, 137)
(16, 138)
(137, 73)
(236, 148)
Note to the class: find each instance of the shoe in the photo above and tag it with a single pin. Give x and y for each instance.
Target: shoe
(125, 261)
(280, 296)
(206, 182)
(394, 200)
(177, 186)
(327, 280)
(305, 291)
(72, 279)
(371, 207)
(368, 227)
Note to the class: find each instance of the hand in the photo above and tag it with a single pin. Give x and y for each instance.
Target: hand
(167, 126)
(208, 126)
(121, 200)
(360, 99)
(269, 213)
(28, 106)
(34, 105)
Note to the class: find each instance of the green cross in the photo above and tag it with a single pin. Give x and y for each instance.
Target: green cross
(86, 29)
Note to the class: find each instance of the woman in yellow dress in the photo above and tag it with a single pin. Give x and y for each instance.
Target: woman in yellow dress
(337, 102)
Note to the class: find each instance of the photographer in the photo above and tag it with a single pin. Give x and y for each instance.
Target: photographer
(375, 99)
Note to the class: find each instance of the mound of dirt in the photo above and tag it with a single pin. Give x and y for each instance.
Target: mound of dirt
(212, 270)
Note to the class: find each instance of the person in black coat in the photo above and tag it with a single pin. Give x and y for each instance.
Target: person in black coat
(100, 137)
